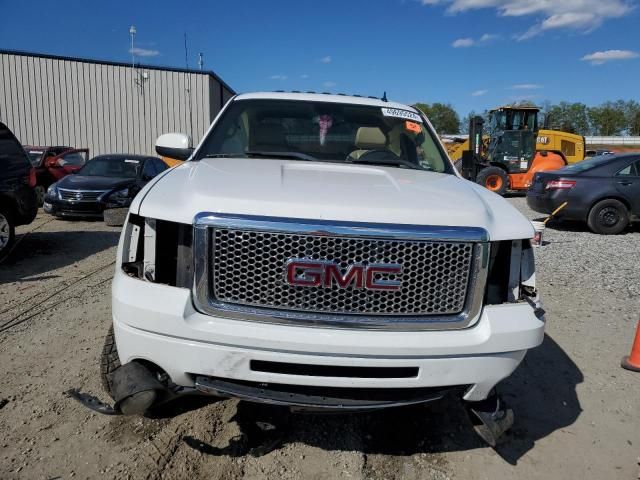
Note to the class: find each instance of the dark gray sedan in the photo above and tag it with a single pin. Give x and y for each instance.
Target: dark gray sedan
(603, 191)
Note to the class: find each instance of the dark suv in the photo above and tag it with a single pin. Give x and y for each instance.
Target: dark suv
(18, 203)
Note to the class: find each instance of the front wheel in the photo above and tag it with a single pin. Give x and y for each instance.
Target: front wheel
(494, 179)
(608, 217)
(109, 361)
(7, 233)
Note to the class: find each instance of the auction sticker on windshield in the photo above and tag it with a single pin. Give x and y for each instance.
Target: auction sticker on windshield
(396, 112)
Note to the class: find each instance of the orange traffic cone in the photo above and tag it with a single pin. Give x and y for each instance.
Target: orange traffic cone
(632, 362)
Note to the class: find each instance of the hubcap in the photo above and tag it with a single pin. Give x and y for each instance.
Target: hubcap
(4, 232)
(609, 216)
(494, 182)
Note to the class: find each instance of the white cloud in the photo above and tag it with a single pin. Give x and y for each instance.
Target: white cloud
(329, 84)
(278, 77)
(584, 15)
(526, 86)
(479, 93)
(463, 43)
(487, 37)
(470, 42)
(598, 58)
(326, 59)
(144, 52)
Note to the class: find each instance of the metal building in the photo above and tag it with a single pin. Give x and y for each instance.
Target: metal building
(108, 107)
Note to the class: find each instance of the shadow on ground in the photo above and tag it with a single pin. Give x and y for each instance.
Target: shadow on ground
(41, 252)
(574, 226)
(542, 393)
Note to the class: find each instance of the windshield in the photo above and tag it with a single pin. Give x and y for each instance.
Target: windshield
(588, 164)
(35, 156)
(322, 131)
(111, 166)
(73, 159)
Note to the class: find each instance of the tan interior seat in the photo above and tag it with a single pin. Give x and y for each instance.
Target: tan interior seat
(367, 139)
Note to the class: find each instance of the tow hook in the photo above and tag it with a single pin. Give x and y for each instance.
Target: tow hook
(490, 418)
(135, 389)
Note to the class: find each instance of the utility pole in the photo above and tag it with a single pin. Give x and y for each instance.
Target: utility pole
(132, 32)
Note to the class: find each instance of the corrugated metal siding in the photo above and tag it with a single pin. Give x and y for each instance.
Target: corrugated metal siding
(106, 107)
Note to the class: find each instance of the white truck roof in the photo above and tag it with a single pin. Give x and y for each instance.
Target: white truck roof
(324, 97)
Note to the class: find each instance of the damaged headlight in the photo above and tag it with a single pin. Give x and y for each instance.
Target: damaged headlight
(512, 273)
(118, 198)
(158, 251)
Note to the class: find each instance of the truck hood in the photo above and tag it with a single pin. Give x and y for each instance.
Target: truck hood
(328, 191)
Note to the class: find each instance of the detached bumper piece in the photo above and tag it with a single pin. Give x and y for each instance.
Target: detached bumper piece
(491, 418)
(135, 390)
(303, 397)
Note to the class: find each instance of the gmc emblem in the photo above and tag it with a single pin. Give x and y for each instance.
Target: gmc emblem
(326, 274)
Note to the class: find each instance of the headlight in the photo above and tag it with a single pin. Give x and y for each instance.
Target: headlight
(118, 198)
(52, 191)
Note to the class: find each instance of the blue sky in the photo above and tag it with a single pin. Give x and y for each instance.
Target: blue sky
(474, 54)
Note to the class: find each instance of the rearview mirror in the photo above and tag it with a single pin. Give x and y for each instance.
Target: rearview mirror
(174, 145)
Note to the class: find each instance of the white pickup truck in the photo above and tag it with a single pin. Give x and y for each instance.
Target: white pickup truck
(320, 251)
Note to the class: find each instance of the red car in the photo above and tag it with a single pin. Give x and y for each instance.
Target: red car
(54, 163)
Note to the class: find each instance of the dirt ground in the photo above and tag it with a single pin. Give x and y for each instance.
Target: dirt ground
(577, 411)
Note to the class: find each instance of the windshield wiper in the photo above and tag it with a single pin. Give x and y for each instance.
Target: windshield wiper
(294, 155)
(223, 155)
(387, 161)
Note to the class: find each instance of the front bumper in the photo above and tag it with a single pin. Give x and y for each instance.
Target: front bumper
(159, 323)
(64, 208)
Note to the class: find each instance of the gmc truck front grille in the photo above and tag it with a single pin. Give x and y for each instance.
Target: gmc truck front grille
(241, 271)
(248, 268)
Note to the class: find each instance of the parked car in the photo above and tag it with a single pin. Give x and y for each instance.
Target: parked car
(597, 153)
(603, 191)
(53, 164)
(18, 202)
(319, 251)
(106, 181)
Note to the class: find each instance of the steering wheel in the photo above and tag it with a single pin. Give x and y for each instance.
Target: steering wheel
(371, 155)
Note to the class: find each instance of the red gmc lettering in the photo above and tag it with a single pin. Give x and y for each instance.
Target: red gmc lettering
(312, 273)
(355, 273)
(308, 273)
(379, 284)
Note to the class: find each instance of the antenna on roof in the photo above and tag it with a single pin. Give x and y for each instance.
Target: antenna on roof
(200, 61)
(188, 85)
(384, 97)
(132, 32)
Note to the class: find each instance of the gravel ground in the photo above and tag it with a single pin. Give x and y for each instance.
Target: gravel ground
(576, 409)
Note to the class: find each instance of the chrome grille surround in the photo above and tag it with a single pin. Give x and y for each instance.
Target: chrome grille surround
(244, 279)
(80, 195)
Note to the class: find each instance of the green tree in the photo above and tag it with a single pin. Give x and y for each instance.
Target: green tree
(632, 114)
(443, 117)
(570, 117)
(609, 118)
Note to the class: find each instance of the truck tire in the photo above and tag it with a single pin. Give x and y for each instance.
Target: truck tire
(608, 217)
(109, 361)
(7, 232)
(494, 179)
(115, 217)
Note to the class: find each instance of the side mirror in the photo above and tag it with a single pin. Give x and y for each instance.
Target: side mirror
(174, 145)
